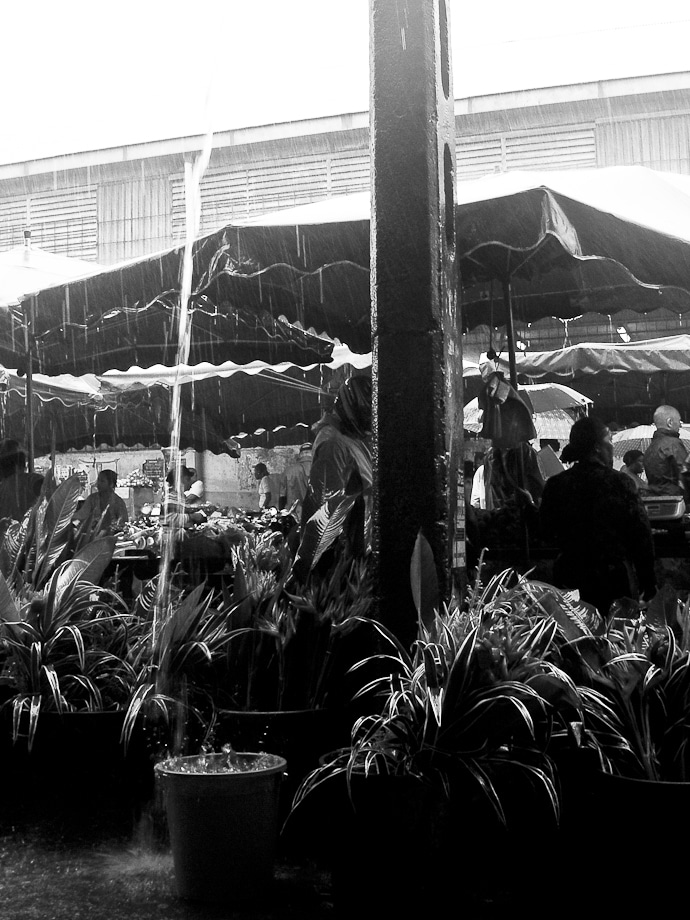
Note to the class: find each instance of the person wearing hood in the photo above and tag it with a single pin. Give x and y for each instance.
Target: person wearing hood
(342, 462)
(665, 460)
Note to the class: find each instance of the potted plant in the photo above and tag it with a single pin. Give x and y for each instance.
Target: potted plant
(284, 685)
(633, 744)
(457, 749)
(174, 692)
(66, 680)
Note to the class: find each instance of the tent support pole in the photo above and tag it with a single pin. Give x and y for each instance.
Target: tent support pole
(510, 331)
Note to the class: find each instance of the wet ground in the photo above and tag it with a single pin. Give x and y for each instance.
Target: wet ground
(57, 867)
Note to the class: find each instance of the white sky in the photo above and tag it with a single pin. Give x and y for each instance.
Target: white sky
(79, 74)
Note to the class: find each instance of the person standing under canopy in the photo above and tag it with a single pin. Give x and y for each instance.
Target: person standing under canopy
(18, 488)
(633, 467)
(104, 506)
(297, 481)
(195, 493)
(596, 519)
(341, 476)
(262, 477)
(665, 460)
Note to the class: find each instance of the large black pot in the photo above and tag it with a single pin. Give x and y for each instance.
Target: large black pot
(389, 846)
(633, 829)
(77, 765)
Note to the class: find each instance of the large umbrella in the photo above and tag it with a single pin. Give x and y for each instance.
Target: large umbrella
(530, 245)
(639, 438)
(26, 269)
(554, 406)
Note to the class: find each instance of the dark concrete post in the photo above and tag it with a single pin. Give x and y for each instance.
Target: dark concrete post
(417, 360)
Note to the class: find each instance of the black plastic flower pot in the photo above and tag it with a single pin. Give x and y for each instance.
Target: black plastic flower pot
(223, 824)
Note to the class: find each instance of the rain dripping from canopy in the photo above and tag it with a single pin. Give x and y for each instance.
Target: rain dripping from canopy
(192, 185)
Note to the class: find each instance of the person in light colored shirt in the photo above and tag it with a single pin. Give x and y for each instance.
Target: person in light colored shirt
(195, 493)
(297, 481)
(262, 477)
(478, 494)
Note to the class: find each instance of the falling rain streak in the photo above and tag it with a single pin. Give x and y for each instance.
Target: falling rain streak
(193, 174)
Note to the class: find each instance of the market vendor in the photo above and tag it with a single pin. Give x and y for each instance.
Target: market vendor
(194, 494)
(264, 480)
(104, 509)
(177, 510)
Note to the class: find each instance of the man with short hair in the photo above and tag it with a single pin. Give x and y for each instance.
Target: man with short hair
(666, 457)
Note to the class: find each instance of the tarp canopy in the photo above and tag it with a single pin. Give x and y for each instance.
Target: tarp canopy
(569, 242)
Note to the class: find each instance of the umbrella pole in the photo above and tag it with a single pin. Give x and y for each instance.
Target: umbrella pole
(510, 331)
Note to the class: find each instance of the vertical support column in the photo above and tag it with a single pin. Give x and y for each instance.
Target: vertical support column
(417, 360)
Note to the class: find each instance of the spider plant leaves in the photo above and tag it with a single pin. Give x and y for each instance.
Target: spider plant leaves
(145, 701)
(424, 581)
(9, 611)
(88, 563)
(322, 529)
(54, 528)
(577, 620)
(31, 705)
(146, 600)
(12, 540)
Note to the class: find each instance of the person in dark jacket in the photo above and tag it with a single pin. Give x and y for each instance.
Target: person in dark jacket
(596, 518)
(341, 471)
(666, 457)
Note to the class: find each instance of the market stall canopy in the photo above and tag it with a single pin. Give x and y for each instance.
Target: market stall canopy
(64, 388)
(569, 242)
(51, 395)
(651, 356)
(134, 408)
(218, 404)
